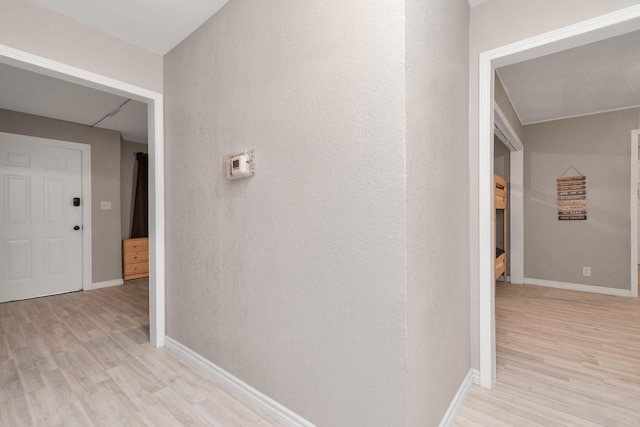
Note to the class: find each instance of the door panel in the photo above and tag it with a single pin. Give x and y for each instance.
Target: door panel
(54, 206)
(18, 159)
(19, 252)
(17, 199)
(41, 253)
(55, 256)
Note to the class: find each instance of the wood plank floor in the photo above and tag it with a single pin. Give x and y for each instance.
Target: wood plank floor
(564, 358)
(84, 359)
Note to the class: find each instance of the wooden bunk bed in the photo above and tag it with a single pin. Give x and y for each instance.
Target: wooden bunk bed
(500, 202)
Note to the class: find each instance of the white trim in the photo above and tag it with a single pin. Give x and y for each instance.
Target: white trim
(237, 387)
(516, 217)
(599, 28)
(575, 116)
(635, 140)
(87, 239)
(48, 67)
(475, 376)
(38, 64)
(505, 127)
(155, 117)
(486, 253)
(85, 203)
(105, 284)
(469, 380)
(595, 29)
(578, 287)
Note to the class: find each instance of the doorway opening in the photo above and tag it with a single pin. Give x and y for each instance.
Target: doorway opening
(600, 28)
(155, 124)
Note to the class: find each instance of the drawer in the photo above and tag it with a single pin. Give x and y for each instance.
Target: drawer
(139, 268)
(135, 257)
(135, 245)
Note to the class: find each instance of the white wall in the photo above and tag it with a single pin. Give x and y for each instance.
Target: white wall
(498, 23)
(437, 204)
(293, 280)
(45, 33)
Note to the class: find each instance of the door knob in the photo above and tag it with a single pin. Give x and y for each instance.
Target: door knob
(77, 227)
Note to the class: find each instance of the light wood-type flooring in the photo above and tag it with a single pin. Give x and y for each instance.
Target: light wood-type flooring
(564, 358)
(84, 359)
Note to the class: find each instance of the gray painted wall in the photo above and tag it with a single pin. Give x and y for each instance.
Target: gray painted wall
(519, 19)
(105, 181)
(48, 34)
(294, 280)
(437, 204)
(502, 99)
(128, 177)
(599, 147)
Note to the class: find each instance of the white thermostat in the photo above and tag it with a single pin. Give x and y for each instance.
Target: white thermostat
(239, 165)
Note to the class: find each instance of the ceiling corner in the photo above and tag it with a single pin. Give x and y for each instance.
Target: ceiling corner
(474, 3)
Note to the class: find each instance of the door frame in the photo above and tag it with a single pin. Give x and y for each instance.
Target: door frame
(85, 178)
(635, 141)
(599, 28)
(155, 124)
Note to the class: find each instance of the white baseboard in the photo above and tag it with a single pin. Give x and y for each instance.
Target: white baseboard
(237, 387)
(475, 376)
(449, 419)
(578, 287)
(106, 284)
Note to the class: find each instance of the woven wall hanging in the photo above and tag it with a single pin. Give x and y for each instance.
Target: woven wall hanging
(572, 196)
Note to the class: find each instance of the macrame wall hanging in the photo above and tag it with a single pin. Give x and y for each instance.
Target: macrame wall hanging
(572, 196)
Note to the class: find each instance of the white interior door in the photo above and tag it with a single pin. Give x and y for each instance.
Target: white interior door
(40, 228)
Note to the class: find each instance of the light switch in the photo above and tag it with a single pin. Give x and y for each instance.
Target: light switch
(105, 206)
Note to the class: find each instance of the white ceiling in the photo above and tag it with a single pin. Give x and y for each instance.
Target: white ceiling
(155, 25)
(597, 77)
(32, 93)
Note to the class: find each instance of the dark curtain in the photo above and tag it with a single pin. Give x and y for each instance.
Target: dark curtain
(140, 225)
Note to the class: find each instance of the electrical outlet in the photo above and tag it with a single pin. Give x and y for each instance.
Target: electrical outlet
(586, 271)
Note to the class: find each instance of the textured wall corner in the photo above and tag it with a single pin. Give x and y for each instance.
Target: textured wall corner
(293, 280)
(437, 205)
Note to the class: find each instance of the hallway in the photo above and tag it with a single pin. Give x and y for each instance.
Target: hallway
(84, 359)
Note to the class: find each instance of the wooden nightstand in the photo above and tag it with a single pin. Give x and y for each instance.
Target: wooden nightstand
(135, 258)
